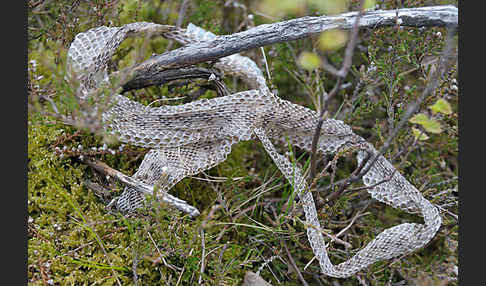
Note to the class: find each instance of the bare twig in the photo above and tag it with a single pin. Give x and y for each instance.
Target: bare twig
(203, 255)
(447, 211)
(301, 278)
(203, 241)
(139, 186)
(336, 239)
(136, 259)
(341, 74)
(180, 19)
(353, 220)
(182, 12)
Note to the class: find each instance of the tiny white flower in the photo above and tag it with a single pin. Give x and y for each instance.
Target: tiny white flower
(438, 34)
(399, 21)
(372, 67)
(30, 220)
(442, 164)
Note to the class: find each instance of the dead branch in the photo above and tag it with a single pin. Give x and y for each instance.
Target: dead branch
(268, 34)
(292, 262)
(169, 75)
(138, 185)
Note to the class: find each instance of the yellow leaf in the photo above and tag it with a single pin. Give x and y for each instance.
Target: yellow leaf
(441, 106)
(332, 40)
(418, 118)
(309, 60)
(430, 125)
(419, 135)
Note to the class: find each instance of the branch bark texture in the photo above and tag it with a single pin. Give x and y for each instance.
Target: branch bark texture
(268, 34)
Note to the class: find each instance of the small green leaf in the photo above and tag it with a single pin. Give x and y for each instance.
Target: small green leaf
(332, 40)
(309, 60)
(430, 125)
(441, 106)
(418, 118)
(419, 135)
